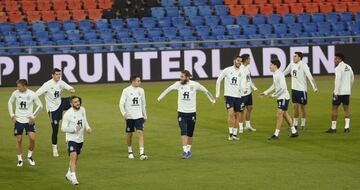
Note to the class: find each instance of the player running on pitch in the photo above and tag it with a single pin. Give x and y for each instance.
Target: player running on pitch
(186, 107)
(24, 117)
(55, 104)
(299, 71)
(233, 83)
(74, 125)
(133, 109)
(283, 98)
(248, 95)
(344, 80)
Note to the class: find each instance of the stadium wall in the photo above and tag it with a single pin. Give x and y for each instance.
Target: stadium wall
(110, 67)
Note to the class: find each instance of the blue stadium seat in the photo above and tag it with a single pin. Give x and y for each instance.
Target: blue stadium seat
(154, 32)
(79, 49)
(63, 43)
(59, 35)
(41, 36)
(218, 30)
(73, 34)
(21, 26)
(242, 20)
(157, 12)
(205, 10)
(25, 36)
(138, 33)
(222, 43)
(29, 43)
(190, 11)
(265, 29)
(143, 46)
(199, 2)
(269, 36)
(105, 34)
(226, 20)
(186, 31)
(216, 2)
(345, 17)
(280, 28)
(295, 28)
(273, 19)
(212, 20)
(10, 37)
(38, 26)
(310, 27)
(116, 23)
(288, 18)
(167, 3)
(172, 11)
(14, 51)
(176, 45)
(353, 27)
(84, 25)
(240, 43)
(258, 19)
(287, 35)
(202, 30)
(257, 42)
(302, 41)
(357, 16)
(89, 35)
(323, 27)
(53, 26)
(303, 18)
(101, 24)
(69, 25)
(148, 22)
(196, 20)
(124, 33)
(5, 27)
(190, 38)
(164, 22)
(233, 29)
(338, 27)
(250, 29)
(127, 40)
(95, 42)
(170, 32)
(318, 40)
(46, 49)
(317, 17)
(178, 22)
(331, 17)
(184, 3)
(132, 22)
(159, 39)
(208, 44)
(220, 10)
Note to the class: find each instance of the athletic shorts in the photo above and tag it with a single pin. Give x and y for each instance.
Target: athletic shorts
(74, 147)
(299, 97)
(283, 104)
(19, 128)
(132, 124)
(341, 99)
(237, 104)
(56, 116)
(248, 100)
(187, 123)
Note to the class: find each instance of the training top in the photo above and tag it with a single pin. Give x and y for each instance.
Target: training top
(72, 118)
(133, 103)
(299, 71)
(249, 85)
(279, 85)
(233, 82)
(344, 79)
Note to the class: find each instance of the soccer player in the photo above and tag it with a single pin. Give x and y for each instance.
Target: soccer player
(233, 80)
(133, 109)
(344, 80)
(186, 107)
(248, 95)
(299, 71)
(55, 104)
(24, 117)
(283, 98)
(74, 125)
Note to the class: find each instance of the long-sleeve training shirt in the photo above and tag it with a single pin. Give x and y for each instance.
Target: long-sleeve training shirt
(299, 72)
(133, 103)
(24, 104)
(279, 86)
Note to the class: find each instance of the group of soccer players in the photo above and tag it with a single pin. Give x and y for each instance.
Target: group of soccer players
(238, 88)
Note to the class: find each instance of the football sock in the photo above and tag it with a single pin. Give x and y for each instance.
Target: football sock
(247, 123)
(141, 150)
(241, 126)
(293, 130)
(333, 125)
(303, 120)
(277, 131)
(347, 123)
(295, 121)
(129, 149)
(29, 154)
(185, 148)
(19, 157)
(189, 147)
(230, 131)
(235, 131)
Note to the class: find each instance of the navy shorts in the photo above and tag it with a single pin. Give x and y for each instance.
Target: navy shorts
(19, 128)
(248, 100)
(132, 124)
(299, 97)
(283, 104)
(187, 123)
(237, 103)
(74, 147)
(56, 115)
(341, 99)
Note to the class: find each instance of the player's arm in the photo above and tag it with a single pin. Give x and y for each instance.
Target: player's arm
(310, 77)
(87, 126)
(10, 107)
(287, 70)
(282, 88)
(352, 77)
(168, 90)
(252, 85)
(42, 89)
(68, 87)
(66, 126)
(268, 91)
(218, 83)
(143, 105)
(122, 104)
(206, 92)
(37, 110)
(338, 77)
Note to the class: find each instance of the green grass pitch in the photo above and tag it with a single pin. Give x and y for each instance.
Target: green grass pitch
(315, 160)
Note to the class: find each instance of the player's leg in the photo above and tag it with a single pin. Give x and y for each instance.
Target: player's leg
(74, 150)
(334, 113)
(190, 133)
(140, 132)
(182, 121)
(231, 121)
(238, 119)
(55, 129)
(31, 148)
(290, 122)
(296, 115)
(248, 126)
(303, 116)
(130, 128)
(346, 102)
(18, 139)
(240, 105)
(279, 120)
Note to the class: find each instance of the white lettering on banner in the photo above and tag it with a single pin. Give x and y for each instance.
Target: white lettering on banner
(146, 62)
(167, 65)
(24, 70)
(8, 69)
(253, 69)
(267, 53)
(215, 63)
(83, 68)
(58, 60)
(319, 56)
(113, 64)
(302, 49)
(198, 65)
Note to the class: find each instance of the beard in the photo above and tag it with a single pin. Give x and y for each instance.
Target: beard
(76, 107)
(184, 81)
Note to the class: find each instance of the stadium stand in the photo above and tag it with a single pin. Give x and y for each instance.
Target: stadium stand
(66, 22)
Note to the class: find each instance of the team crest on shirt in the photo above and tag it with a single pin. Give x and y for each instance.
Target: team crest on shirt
(347, 68)
(191, 88)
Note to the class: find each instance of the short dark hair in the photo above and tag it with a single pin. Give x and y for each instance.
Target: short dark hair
(133, 77)
(23, 82)
(55, 70)
(186, 73)
(238, 56)
(340, 55)
(299, 54)
(73, 97)
(245, 56)
(276, 62)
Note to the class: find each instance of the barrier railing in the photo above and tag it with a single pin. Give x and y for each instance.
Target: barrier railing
(271, 42)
